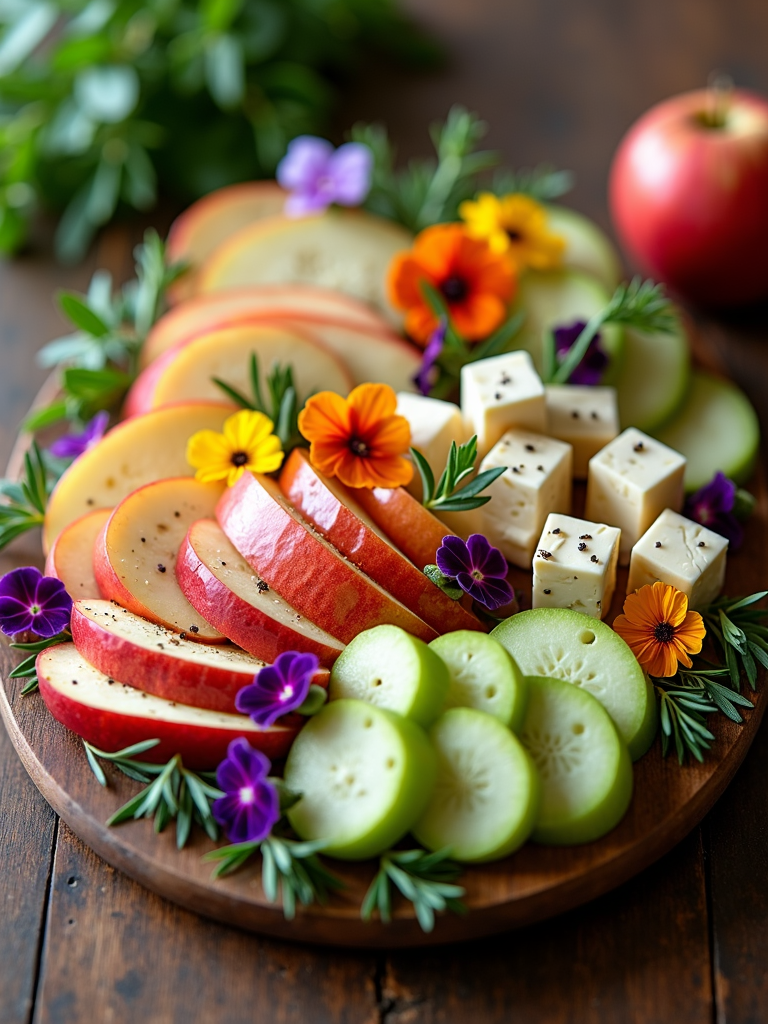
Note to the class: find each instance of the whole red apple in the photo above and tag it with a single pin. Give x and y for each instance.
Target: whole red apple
(689, 195)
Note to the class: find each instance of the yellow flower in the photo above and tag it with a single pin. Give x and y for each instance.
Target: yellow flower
(246, 443)
(515, 225)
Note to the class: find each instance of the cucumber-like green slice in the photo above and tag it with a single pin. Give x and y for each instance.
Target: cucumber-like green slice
(486, 796)
(483, 675)
(390, 668)
(654, 378)
(716, 429)
(585, 770)
(563, 644)
(587, 248)
(556, 298)
(365, 775)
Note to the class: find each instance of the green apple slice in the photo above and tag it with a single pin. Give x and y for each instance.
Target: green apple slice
(564, 644)
(716, 429)
(365, 775)
(586, 773)
(654, 378)
(587, 248)
(390, 668)
(483, 675)
(558, 298)
(486, 796)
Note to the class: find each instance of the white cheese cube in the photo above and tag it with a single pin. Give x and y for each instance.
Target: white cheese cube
(537, 481)
(683, 554)
(500, 393)
(575, 565)
(586, 417)
(631, 481)
(434, 424)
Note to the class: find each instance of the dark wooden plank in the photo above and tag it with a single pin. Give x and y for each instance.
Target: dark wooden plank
(116, 953)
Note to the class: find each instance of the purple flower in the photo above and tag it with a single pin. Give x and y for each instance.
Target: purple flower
(251, 805)
(479, 569)
(712, 506)
(72, 445)
(32, 602)
(592, 367)
(278, 688)
(425, 378)
(317, 175)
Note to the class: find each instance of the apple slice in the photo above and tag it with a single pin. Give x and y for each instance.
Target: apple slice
(220, 309)
(71, 557)
(587, 248)
(334, 513)
(112, 715)
(134, 558)
(207, 223)
(410, 526)
(218, 581)
(343, 249)
(154, 659)
(303, 567)
(186, 372)
(132, 454)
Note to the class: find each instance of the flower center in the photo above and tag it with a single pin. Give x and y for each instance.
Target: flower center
(359, 447)
(247, 795)
(477, 575)
(664, 632)
(239, 458)
(35, 609)
(454, 288)
(286, 693)
(514, 235)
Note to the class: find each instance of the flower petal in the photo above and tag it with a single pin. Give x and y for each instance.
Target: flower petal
(325, 417)
(351, 167)
(306, 159)
(371, 403)
(453, 557)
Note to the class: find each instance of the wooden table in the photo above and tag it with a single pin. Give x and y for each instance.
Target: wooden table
(685, 941)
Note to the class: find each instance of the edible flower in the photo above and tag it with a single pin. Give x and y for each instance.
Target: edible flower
(246, 443)
(358, 439)
(31, 602)
(71, 445)
(317, 175)
(479, 569)
(713, 506)
(424, 379)
(659, 629)
(278, 689)
(592, 367)
(251, 805)
(476, 283)
(515, 225)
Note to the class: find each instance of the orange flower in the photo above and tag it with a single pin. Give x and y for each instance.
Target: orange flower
(358, 439)
(476, 283)
(659, 628)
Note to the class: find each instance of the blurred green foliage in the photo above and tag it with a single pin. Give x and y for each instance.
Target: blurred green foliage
(106, 102)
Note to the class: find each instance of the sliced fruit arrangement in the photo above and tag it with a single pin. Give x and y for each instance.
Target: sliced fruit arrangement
(223, 587)
(112, 715)
(71, 556)
(410, 526)
(135, 554)
(654, 377)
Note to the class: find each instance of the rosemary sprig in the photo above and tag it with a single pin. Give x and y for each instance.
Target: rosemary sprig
(738, 630)
(26, 499)
(27, 669)
(447, 496)
(427, 880)
(282, 404)
(542, 183)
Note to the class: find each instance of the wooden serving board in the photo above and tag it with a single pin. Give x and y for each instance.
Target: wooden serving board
(535, 883)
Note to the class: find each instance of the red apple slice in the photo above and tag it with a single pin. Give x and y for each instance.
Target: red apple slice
(218, 581)
(208, 222)
(71, 557)
(334, 513)
(187, 372)
(207, 312)
(405, 521)
(134, 558)
(132, 454)
(303, 567)
(112, 715)
(156, 660)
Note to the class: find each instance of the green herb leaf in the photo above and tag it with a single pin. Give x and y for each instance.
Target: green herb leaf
(448, 496)
(427, 880)
(448, 585)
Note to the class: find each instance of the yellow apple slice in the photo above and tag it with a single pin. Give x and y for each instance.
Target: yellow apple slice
(71, 557)
(223, 309)
(134, 558)
(207, 223)
(186, 372)
(350, 251)
(134, 453)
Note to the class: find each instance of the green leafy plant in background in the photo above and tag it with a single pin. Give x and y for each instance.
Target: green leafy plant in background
(105, 103)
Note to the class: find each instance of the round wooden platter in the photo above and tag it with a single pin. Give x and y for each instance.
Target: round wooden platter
(535, 883)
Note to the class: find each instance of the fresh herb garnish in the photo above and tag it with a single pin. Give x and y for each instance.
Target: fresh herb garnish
(281, 406)
(543, 183)
(447, 496)
(427, 880)
(26, 669)
(26, 499)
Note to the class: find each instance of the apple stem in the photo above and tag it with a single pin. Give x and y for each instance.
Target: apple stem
(719, 94)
